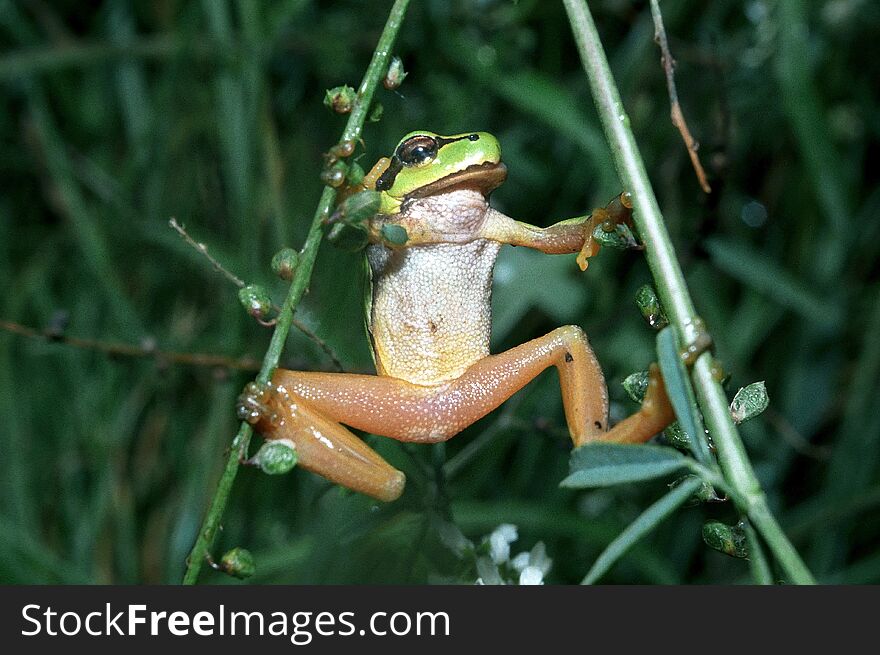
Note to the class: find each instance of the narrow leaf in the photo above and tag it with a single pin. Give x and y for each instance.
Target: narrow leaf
(606, 464)
(681, 394)
(647, 521)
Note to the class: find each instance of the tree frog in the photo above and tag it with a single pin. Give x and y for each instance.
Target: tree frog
(429, 323)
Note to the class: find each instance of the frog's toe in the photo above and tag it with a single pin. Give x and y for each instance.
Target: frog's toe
(253, 404)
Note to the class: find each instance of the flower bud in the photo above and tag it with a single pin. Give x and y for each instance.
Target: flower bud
(340, 99)
(238, 562)
(284, 263)
(276, 457)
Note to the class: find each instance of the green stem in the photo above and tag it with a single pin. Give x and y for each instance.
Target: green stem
(761, 572)
(673, 291)
(375, 73)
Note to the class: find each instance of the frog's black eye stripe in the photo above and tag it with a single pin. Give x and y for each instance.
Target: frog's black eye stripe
(417, 150)
(386, 180)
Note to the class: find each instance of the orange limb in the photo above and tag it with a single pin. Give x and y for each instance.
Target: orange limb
(307, 408)
(654, 415)
(568, 236)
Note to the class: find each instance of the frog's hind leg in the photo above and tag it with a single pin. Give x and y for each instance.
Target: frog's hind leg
(308, 408)
(654, 415)
(410, 412)
(323, 446)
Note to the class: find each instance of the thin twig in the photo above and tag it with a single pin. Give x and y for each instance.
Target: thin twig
(202, 249)
(146, 349)
(353, 128)
(675, 107)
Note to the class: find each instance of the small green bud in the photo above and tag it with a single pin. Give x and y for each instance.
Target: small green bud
(749, 401)
(255, 299)
(676, 437)
(649, 306)
(636, 385)
(355, 174)
(728, 539)
(704, 494)
(276, 457)
(284, 263)
(238, 562)
(348, 237)
(335, 174)
(340, 99)
(620, 236)
(361, 206)
(395, 75)
(376, 113)
(394, 234)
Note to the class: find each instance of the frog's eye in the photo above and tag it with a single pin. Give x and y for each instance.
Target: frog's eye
(417, 151)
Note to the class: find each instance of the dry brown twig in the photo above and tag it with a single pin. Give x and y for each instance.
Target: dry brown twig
(146, 349)
(675, 107)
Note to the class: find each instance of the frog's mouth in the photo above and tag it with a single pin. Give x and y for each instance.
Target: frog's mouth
(483, 177)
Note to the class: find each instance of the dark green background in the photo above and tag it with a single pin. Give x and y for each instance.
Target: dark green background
(119, 115)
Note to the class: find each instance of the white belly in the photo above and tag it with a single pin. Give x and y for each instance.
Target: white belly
(431, 311)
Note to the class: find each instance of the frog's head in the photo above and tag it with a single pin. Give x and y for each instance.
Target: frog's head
(425, 163)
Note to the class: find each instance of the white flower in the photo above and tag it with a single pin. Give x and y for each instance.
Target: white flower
(499, 542)
(497, 567)
(520, 562)
(537, 559)
(531, 575)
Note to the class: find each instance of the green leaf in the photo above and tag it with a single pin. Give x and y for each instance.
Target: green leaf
(650, 308)
(749, 401)
(681, 394)
(646, 521)
(394, 234)
(606, 464)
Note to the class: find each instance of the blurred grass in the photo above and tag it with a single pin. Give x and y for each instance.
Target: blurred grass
(117, 117)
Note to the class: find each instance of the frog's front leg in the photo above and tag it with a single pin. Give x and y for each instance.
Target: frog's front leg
(568, 236)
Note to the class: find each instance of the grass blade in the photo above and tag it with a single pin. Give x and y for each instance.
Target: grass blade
(647, 521)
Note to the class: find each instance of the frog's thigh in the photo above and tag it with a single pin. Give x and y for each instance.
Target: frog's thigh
(409, 412)
(327, 448)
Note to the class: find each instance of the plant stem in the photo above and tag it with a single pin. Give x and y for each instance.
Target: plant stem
(673, 291)
(375, 72)
(757, 561)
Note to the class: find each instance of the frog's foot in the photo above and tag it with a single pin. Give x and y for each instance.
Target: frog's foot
(654, 415)
(616, 212)
(253, 405)
(322, 445)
